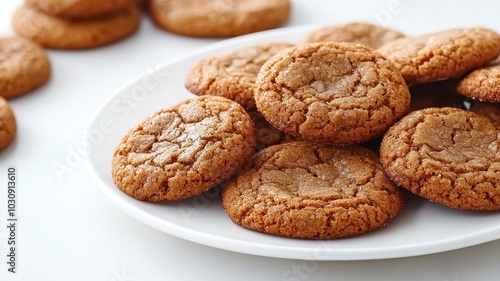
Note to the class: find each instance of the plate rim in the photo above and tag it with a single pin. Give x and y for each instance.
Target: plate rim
(246, 247)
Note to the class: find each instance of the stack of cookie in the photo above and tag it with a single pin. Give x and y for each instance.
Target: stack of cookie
(80, 24)
(310, 110)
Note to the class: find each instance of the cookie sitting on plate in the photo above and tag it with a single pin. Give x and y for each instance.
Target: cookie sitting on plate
(370, 35)
(312, 191)
(184, 150)
(232, 75)
(24, 66)
(331, 92)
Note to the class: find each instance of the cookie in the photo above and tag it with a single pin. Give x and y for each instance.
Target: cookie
(267, 135)
(57, 33)
(79, 8)
(312, 191)
(183, 150)
(370, 35)
(232, 75)
(483, 83)
(24, 66)
(222, 18)
(447, 155)
(442, 55)
(331, 92)
(8, 126)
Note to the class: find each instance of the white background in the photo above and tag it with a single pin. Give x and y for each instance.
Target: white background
(67, 230)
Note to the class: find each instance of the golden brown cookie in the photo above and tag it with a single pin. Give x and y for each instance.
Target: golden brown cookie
(442, 55)
(86, 33)
(266, 134)
(483, 83)
(312, 191)
(184, 150)
(79, 8)
(232, 75)
(447, 155)
(220, 18)
(7, 124)
(370, 35)
(24, 66)
(331, 92)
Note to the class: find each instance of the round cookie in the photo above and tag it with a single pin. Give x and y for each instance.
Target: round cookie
(442, 55)
(312, 191)
(79, 8)
(183, 150)
(24, 66)
(232, 75)
(370, 35)
(447, 155)
(267, 135)
(87, 33)
(8, 126)
(221, 18)
(483, 83)
(331, 92)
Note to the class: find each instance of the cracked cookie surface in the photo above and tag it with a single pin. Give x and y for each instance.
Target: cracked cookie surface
(184, 150)
(370, 35)
(232, 75)
(482, 83)
(447, 155)
(8, 126)
(24, 66)
(442, 55)
(331, 92)
(312, 191)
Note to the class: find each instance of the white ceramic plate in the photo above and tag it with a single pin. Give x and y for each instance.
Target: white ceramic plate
(422, 228)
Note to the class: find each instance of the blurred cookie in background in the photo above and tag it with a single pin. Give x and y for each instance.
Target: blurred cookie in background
(482, 83)
(221, 18)
(24, 66)
(8, 127)
(70, 34)
(370, 35)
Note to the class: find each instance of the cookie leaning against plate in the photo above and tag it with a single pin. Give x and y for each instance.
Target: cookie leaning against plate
(57, 33)
(442, 55)
(24, 66)
(331, 92)
(8, 126)
(221, 18)
(370, 35)
(79, 8)
(447, 155)
(232, 75)
(482, 83)
(312, 191)
(183, 150)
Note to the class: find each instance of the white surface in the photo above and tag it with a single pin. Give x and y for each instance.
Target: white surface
(69, 231)
(418, 230)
